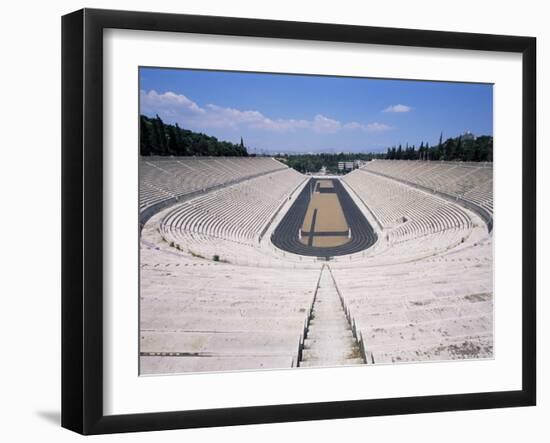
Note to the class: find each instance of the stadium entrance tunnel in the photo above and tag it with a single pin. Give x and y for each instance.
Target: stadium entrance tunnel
(324, 221)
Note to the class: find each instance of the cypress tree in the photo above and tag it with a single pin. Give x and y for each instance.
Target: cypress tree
(144, 137)
(158, 138)
(172, 141)
(459, 152)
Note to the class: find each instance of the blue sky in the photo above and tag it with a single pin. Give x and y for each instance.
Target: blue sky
(293, 113)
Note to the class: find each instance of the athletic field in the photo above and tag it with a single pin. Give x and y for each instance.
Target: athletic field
(323, 221)
(324, 224)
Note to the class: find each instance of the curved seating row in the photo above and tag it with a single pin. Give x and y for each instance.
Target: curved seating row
(161, 178)
(404, 212)
(206, 316)
(236, 213)
(470, 181)
(435, 309)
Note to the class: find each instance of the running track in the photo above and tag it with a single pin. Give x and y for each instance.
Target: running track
(285, 235)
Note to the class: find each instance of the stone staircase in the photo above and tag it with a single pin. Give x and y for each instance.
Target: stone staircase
(329, 339)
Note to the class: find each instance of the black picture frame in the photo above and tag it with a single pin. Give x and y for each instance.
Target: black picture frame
(82, 218)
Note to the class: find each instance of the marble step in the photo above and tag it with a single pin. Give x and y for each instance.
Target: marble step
(330, 354)
(319, 334)
(325, 363)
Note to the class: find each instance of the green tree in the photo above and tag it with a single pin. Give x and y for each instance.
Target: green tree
(459, 151)
(144, 136)
(158, 138)
(172, 140)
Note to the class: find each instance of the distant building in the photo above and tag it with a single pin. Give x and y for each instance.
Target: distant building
(468, 136)
(350, 165)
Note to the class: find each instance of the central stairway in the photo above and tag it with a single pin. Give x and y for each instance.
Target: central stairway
(329, 340)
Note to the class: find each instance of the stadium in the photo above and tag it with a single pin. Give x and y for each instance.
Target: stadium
(248, 264)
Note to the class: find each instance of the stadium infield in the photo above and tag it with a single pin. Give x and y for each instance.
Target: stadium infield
(324, 221)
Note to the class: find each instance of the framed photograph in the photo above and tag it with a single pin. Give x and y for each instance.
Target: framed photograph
(268, 221)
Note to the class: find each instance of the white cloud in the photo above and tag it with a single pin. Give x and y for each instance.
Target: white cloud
(218, 116)
(325, 125)
(354, 125)
(188, 114)
(398, 108)
(153, 103)
(369, 127)
(377, 127)
(179, 108)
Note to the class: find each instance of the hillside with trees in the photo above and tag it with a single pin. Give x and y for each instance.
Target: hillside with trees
(463, 148)
(159, 138)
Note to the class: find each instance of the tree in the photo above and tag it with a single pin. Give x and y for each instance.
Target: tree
(180, 145)
(449, 150)
(172, 141)
(158, 138)
(459, 151)
(144, 136)
(160, 135)
(452, 149)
